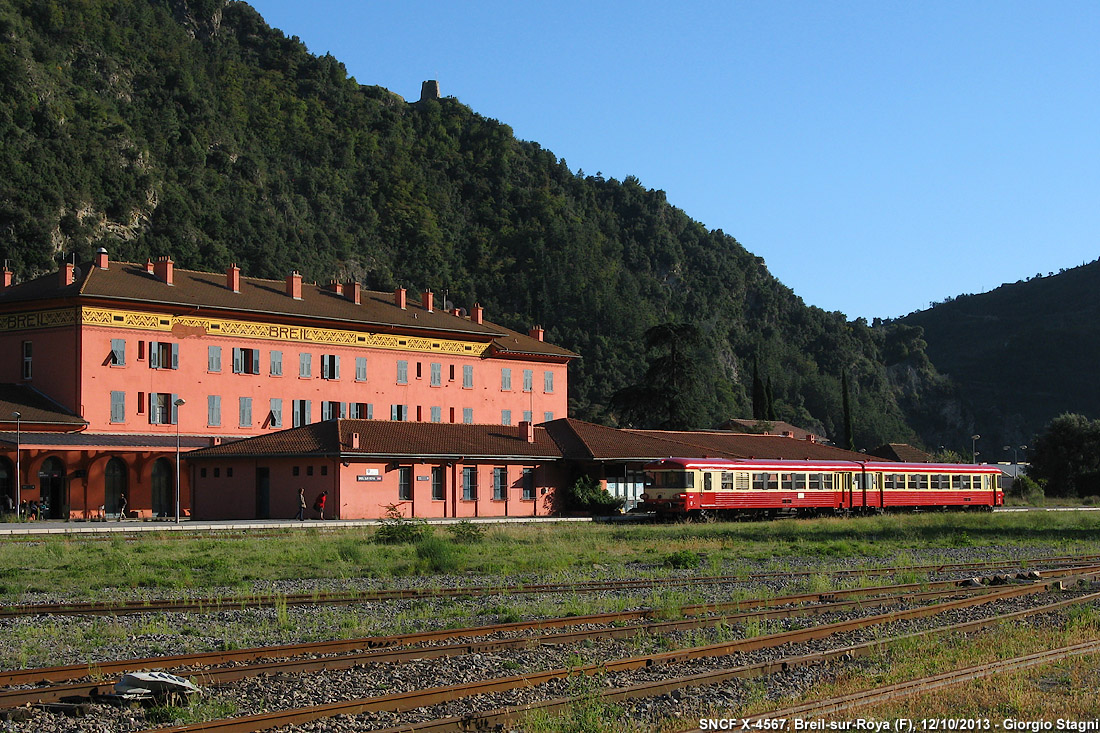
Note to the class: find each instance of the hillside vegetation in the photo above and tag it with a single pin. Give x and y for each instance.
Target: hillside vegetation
(191, 128)
(1026, 353)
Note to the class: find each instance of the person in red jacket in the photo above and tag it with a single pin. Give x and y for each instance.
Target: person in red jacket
(319, 504)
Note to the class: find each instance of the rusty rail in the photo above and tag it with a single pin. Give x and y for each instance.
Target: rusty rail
(421, 698)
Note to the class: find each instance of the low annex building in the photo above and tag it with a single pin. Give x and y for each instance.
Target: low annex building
(368, 466)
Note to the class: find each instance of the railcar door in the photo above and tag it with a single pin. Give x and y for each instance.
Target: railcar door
(845, 489)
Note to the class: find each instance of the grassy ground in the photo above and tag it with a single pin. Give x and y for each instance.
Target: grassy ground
(157, 564)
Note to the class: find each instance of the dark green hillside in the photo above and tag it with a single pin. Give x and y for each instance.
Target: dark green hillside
(1023, 353)
(158, 127)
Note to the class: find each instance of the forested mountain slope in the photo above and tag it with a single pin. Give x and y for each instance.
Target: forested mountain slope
(191, 128)
(1023, 353)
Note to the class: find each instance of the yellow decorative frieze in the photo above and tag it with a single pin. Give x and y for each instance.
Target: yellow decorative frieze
(191, 326)
(32, 320)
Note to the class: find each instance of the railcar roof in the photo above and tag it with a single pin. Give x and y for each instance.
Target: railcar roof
(789, 465)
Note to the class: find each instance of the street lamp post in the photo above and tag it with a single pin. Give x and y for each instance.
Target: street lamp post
(974, 448)
(1015, 462)
(18, 452)
(178, 403)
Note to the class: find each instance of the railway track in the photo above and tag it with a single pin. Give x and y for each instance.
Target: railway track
(421, 698)
(213, 604)
(225, 666)
(280, 661)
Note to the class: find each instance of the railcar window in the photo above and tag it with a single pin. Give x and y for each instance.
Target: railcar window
(673, 480)
(707, 479)
(888, 481)
(786, 480)
(827, 481)
(728, 480)
(763, 481)
(913, 485)
(815, 482)
(922, 481)
(800, 482)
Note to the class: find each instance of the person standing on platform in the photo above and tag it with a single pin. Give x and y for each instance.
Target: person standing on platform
(121, 506)
(319, 505)
(301, 517)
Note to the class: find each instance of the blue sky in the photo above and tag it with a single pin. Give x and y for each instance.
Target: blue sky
(878, 155)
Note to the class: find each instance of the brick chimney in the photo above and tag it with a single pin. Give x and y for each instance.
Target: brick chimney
(400, 298)
(6, 278)
(101, 258)
(355, 441)
(336, 286)
(353, 291)
(537, 332)
(148, 265)
(66, 273)
(527, 430)
(162, 268)
(427, 299)
(477, 313)
(294, 285)
(233, 278)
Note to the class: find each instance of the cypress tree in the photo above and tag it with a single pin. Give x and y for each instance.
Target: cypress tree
(759, 395)
(770, 414)
(849, 436)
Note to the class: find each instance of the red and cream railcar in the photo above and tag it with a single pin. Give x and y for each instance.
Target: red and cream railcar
(710, 486)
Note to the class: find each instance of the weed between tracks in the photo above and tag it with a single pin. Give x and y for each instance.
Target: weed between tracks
(1068, 689)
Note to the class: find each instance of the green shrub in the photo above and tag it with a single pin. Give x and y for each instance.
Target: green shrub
(682, 559)
(587, 495)
(466, 532)
(440, 555)
(397, 529)
(1029, 490)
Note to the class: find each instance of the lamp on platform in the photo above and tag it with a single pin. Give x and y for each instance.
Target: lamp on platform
(18, 452)
(178, 403)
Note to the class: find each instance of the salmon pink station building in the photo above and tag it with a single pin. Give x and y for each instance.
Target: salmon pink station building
(147, 387)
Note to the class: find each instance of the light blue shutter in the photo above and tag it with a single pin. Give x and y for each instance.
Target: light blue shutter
(370, 411)
(214, 358)
(361, 368)
(118, 352)
(255, 361)
(175, 356)
(276, 412)
(118, 406)
(336, 367)
(214, 410)
(548, 381)
(467, 376)
(296, 416)
(175, 410)
(154, 355)
(238, 361)
(304, 365)
(326, 410)
(343, 409)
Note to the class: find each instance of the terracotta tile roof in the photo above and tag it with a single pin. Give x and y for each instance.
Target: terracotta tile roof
(774, 427)
(580, 440)
(393, 438)
(124, 281)
(721, 443)
(105, 440)
(901, 452)
(35, 409)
